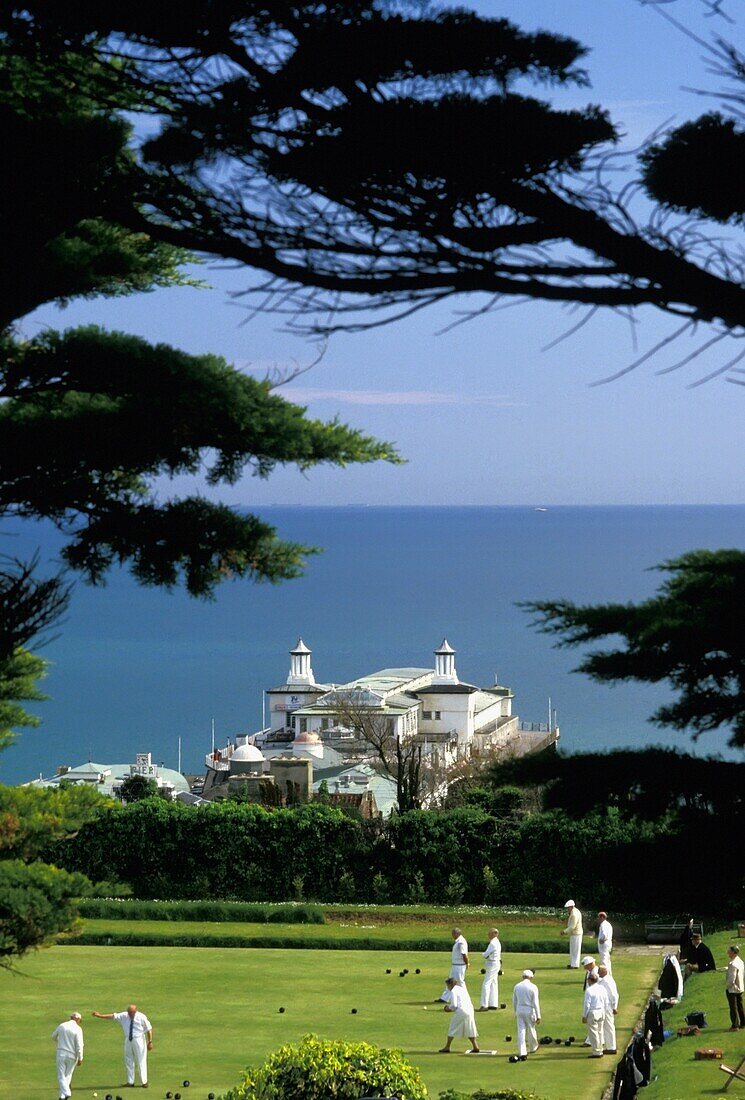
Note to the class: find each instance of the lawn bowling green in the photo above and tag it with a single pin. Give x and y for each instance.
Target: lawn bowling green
(215, 1011)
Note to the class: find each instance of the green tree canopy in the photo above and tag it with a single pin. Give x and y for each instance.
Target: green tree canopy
(651, 784)
(688, 635)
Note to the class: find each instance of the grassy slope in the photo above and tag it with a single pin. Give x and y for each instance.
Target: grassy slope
(679, 1075)
(216, 1011)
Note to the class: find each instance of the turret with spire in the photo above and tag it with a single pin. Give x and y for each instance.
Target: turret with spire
(445, 664)
(301, 672)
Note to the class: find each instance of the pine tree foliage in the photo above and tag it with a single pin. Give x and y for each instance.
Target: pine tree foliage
(688, 635)
(392, 155)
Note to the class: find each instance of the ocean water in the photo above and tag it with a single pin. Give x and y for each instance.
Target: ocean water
(134, 668)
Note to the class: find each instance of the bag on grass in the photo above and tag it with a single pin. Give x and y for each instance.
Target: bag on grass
(696, 1019)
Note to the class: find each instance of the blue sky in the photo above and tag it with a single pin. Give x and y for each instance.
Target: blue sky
(482, 414)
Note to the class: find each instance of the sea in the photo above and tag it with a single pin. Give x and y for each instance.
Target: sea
(136, 669)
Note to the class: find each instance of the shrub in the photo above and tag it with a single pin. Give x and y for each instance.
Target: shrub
(346, 890)
(218, 911)
(488, 1094)
(330, 1069)
(415, 892)
(491, 887)
(380, 889)
(455, 889)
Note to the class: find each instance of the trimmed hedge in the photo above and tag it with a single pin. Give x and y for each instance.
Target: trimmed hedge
(218, 911)
(178, 938)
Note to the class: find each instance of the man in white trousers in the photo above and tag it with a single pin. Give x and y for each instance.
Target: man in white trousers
(593, 1014)
(605, 939)
(492, 962)
(138, 1040)
(463, 1023)
(458, 962)
(607, 981)
(69, 1039)
(527, 1014)
(574, 931)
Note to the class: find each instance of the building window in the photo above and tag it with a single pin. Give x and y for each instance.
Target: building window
(427, 715)
(438, 716)
(303, 725)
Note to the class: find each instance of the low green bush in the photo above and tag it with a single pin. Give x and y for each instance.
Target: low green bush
(218, 911)
(487, 1094)
(330, 1069)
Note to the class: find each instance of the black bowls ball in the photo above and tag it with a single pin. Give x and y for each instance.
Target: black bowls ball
(417, 971)
(402, 973)
(406, 971)
(354, 1011)
(482, 970)
(567, 1043)
(514, 1058)
(280, 1010)
(508, 1038)
(388, 970)
(557, 1042)
(503, 1006)
(572, 1039)
(186, 1084)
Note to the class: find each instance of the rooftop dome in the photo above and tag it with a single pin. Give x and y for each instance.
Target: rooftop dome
(247, 753)
(308, 738)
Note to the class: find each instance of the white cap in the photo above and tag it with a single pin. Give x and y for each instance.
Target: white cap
(527, 973)
(569, 904)
(588, 959)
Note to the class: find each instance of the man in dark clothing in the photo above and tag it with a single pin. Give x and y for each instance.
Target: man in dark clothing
(686, 938)
(700, 958)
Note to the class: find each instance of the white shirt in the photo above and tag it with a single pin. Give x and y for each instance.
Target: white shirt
(493, 954)
(69, 1036)
(525, 998)
(605, 934)
(460, 950)
(460, 998)
(595, 1000)
(736, 975)
(574, 922)
(609, 985)
(140, 1023)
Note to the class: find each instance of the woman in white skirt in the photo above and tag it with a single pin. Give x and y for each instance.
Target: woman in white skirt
(463, 1023)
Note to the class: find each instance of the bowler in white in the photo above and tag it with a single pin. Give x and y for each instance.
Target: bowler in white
(574, 931)
(605, 938)
(492, 962)
(610, 988)
(458, 962)
(463, 1023)
(69, 1039)
(593, 1014)
(527, 1014)
(138, 1040)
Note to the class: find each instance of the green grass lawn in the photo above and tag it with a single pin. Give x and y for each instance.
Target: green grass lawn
(355, 933)
(216, 1011)
(678, 1075)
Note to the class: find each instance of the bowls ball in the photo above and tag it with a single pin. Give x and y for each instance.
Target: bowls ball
(354, 1011)
(557, 1042)
(572, 1039)
(567, 1043)
(503, 1006)
(388, 970)
(508, 1038)
(186, 1084)
(406, 971)
(514, 1058)
(280, 1010)
(417, 971)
